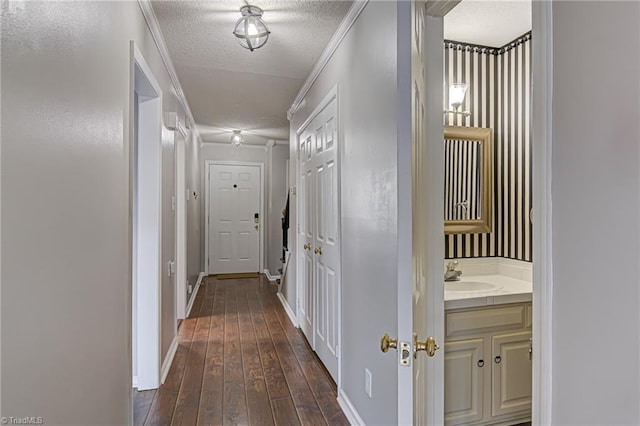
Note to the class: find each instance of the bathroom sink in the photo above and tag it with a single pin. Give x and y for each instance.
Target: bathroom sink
(471, 286)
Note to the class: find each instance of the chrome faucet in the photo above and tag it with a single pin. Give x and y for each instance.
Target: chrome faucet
(451, 274)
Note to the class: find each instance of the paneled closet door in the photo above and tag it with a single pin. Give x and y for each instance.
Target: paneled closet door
(326, 241)
(305, 237)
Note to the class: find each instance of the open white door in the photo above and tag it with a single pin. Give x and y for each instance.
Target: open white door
(428, 218)
(420, 218)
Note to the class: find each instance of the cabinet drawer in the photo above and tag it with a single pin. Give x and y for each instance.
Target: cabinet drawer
(478, 321)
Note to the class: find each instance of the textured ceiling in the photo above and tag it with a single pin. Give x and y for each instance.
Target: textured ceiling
(488, 23)
(229, 87)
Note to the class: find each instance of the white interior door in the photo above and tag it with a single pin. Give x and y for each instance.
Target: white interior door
(318, 234)
(326, 238)
(420, 285)
(305, 237)
(427, 136)
(234, 218)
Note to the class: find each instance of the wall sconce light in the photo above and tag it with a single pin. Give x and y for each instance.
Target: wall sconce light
(237, 138)
(457, 91)
(250, 30)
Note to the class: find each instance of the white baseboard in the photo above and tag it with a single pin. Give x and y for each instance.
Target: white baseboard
(194, 294)
(270, 277)
(166, 365)
(349, 410)
(288, 310)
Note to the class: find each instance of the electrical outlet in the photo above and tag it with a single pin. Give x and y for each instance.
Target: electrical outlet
(367, 382)
(189, 289)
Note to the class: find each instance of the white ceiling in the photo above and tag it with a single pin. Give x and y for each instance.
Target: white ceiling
(488, 23)
(229, 87)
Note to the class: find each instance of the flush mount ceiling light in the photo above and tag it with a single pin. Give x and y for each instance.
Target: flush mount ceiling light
(456, 98)
(237, 138)
(250, 31)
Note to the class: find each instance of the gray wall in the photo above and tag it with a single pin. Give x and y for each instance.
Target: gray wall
(66, 286)
(275, 190)
(596, 208)
(367, 104)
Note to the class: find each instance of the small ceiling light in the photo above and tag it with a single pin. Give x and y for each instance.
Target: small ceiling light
(456, 98)
(251, 31)
(236, 138)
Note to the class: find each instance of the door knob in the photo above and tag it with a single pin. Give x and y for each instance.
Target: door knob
(387, 342)
(255, 226)
(307, 246)
(429, 346)
(318, 250)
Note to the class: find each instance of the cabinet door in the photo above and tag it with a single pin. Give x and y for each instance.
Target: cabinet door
(464, 366)
(511, 368)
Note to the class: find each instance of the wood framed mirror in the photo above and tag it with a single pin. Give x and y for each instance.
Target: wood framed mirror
(468, 180)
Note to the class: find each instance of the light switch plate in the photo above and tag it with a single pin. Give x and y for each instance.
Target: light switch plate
(367, 382)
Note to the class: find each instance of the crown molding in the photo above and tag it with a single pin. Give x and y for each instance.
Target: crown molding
(161, 44)
(327, 53)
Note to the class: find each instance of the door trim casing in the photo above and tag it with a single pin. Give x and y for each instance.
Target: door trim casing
(542, 126)
(333, 93)
(261, 243)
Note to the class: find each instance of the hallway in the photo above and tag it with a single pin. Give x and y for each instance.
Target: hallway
(241, 361)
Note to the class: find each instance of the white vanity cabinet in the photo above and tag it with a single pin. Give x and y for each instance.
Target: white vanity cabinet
(488, 365)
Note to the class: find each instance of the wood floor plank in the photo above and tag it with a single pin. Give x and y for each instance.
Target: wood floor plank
(256, 389)
(211, 397)
(235, 404)
(186, 410)
(241, 361)
(274, 376)
(141, 405)
(303, 398)
(318, 378)
(284, 412)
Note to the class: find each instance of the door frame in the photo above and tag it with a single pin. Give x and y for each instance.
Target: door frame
(147, 310)
(542, 135)
(542, 120)
(333, 93)
(181, 221)
(263, 221)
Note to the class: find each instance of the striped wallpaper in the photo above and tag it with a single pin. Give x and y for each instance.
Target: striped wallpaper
(462, 181)
(498, 97)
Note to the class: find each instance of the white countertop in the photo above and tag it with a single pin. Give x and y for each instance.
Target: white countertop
(507, 290)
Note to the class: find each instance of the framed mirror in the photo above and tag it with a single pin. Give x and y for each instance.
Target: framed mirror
(468, 180)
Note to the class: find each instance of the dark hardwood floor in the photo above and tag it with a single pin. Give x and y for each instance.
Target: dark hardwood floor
(241, 361)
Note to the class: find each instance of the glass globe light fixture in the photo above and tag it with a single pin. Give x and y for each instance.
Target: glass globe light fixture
(237, 138)
(250, 30)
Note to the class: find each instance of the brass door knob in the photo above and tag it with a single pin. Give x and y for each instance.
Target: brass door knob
(318, 250)
(255, 226)
(429, 346)
(307, 246)
(387, 342)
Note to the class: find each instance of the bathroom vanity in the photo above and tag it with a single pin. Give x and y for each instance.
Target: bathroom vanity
(488, 350)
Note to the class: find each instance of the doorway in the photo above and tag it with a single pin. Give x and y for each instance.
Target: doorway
(146, 167)
(234, 227)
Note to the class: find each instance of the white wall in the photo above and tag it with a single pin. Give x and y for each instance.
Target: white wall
(596, 212)
(275, 190)
(364, 67)
(66, 277)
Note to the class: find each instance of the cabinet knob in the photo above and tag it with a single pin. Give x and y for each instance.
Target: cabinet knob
(481, 363)
(498, 359)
